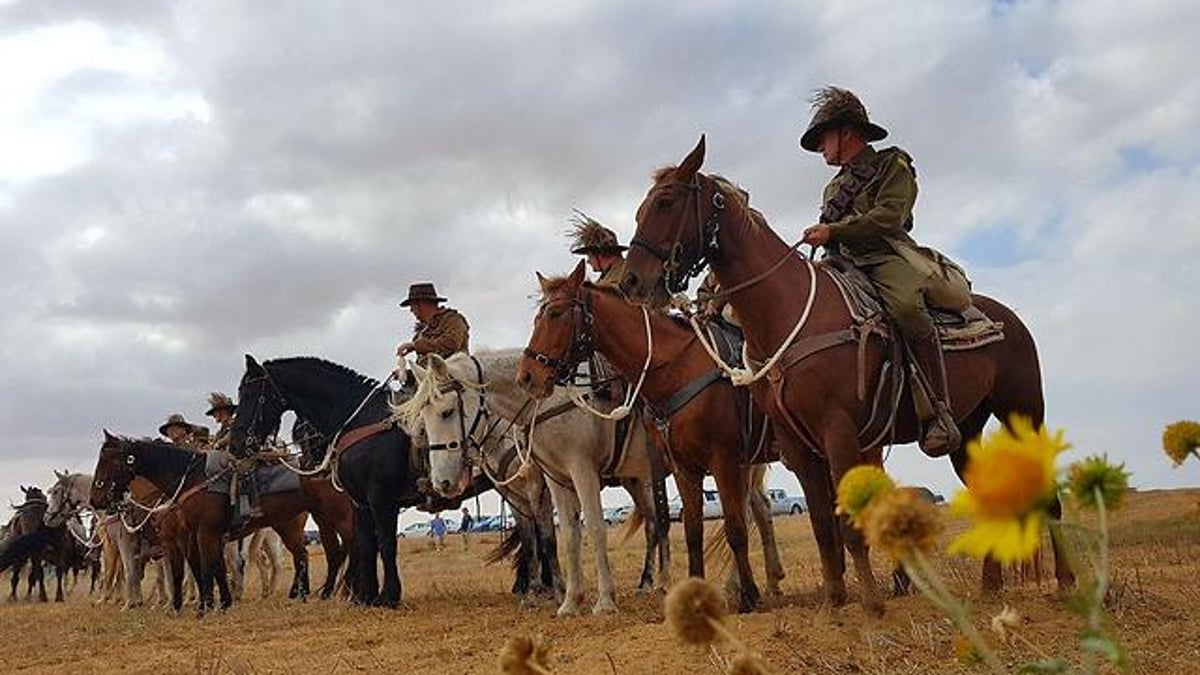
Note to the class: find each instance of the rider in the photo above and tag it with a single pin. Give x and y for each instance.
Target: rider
(865, 218)
(184, 433)
(605, 254)
(243, 489)
(439, 330)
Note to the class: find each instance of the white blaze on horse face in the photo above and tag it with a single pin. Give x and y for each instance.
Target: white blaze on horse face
(446, 428)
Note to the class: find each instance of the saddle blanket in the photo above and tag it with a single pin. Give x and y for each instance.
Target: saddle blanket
(270, 478)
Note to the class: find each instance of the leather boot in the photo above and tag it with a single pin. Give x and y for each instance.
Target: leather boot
(940, 435)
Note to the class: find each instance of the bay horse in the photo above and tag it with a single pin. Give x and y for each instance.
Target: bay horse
(708, 426)
(789, 308)
(200, 520)
(468, 406)
(371, 459)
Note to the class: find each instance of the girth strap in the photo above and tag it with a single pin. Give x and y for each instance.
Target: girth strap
(685, 395)
(359, 433)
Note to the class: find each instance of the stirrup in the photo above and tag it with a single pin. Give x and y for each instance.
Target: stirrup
(940, 436)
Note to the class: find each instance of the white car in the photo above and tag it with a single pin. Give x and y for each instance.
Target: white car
(415, 530)
(710, 500)
(784, 505)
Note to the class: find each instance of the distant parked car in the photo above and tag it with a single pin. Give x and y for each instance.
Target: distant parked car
(784, 505)
(415, 530)
(929, 495)
(675, 508)
(622, 513)
(711, 502)
(312, 537)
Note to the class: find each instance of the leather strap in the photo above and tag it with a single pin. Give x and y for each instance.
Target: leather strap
(359, 433)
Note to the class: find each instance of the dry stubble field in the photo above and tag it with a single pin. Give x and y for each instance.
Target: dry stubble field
(459, 614)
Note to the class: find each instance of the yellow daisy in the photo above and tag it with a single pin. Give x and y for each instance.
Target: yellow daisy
(1180, 440)
(858, 487)
(1010, 479)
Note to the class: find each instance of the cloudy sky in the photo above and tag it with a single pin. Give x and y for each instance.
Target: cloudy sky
(185, 182)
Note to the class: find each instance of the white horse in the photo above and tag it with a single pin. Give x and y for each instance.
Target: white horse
(467, 402)
(263, 550)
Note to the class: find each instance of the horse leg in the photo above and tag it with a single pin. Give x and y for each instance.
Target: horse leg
(644, 503)
(571, 531)
(689, 483)
(16, 581)
(367, 582)
(387, 515)
(235, 567)
(587, 487)
(760, 510)
(39, 567)
(815, 480)
(271, 563)
(841, 446)
(335, 553)
(291, 532)
(731, 488)
(546, 535)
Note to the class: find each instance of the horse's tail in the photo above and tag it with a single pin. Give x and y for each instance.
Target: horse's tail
(508, 547)
(18, 549)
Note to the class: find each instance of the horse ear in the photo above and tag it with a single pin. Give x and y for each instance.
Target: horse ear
(252, 365)
(541, 282)
(577, 275)
(59, 475)
(692, 163)
(418, 371)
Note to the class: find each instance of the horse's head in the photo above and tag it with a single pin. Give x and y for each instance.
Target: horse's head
(115, 470)
(260, 407)
(68, 496)
(449, 404)
(676, 231)
(562, 335)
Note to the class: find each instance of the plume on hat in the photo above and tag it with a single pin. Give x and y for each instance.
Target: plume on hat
(589, 236)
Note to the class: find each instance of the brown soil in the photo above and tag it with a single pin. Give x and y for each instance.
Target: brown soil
(459, 614)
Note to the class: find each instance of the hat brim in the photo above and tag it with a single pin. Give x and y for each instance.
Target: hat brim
(811, 140)
(162, 431)
(408, 301)
(231, 408)
(588, 250)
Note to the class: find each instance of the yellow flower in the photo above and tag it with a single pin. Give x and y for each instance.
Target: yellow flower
(1010, 479)
(1180, 440)
(899, 522)
(858, 487)
(1087, 476)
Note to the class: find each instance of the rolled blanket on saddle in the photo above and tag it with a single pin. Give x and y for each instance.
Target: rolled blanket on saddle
(270, 478)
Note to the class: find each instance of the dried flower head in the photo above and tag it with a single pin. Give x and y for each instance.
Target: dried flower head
(858, 487)
(900, 522)
(1011, 479)
(1006, 619)
(696, 611)
(1093, 475)
(965, 651)
(524, 655)
(1180, 440)
(747, 663)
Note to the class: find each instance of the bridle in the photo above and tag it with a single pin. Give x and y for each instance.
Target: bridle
(582, 346)
(252, 440)
(466, 436)
(675, 275)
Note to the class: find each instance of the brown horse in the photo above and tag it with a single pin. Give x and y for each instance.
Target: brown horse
(688, 219)
(700, 415)
(202, 520)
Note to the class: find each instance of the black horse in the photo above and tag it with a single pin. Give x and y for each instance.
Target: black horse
(376, 470)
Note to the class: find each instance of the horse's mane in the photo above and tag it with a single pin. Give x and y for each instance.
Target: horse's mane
(350, 376)
(408, 413)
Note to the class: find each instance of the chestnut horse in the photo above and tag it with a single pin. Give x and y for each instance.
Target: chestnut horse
(702, 417)
(788, 308)
(203, 517)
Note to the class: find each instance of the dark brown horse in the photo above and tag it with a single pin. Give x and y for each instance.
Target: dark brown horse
(688, 219)
(701, 416)
(201, 520)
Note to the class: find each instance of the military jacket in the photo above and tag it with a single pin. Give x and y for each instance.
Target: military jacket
(445, 333)
(196, 439)
(611, 277)
(875, 225)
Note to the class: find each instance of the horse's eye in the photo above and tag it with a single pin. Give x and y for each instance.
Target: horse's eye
(99, 483)
(447, 413)
(665, 204)
(555, 314)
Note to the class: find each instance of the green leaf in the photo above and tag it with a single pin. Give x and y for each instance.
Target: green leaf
(1045, 667)
(1110, 649)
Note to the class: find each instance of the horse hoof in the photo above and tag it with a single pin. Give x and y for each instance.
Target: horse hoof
(605, 607)
(568, 610)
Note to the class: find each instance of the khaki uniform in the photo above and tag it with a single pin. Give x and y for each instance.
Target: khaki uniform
(611, 277)
(196, 439)
(874, 232)
(445, 333)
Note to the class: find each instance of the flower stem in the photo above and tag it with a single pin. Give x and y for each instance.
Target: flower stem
(930, 584)
(1096, 603)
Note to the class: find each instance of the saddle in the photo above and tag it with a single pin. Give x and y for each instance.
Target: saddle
(957, 331)
(270, 478)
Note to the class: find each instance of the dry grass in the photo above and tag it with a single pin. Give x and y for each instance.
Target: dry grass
(459, 615)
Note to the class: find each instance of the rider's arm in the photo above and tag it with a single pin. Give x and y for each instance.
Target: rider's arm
(446, 338)
(895, 193)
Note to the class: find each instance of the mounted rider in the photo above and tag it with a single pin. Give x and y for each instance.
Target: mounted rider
(606, 256)
(439, 330)
(243, 488)
(183, 433)
(866, 217)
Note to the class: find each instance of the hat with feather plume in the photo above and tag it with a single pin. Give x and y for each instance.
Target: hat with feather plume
(589, 236)
(835, 107)
(220, 401)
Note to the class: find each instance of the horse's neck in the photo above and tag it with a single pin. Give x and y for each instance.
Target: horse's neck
(322, 400)
(621, 338)
(165, 466)
(503, 396)
(769, 307)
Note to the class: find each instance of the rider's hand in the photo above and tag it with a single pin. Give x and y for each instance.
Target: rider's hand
(817, 235)
(404, 349)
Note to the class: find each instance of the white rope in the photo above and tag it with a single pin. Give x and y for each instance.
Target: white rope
(158, 507)
(303, 472)
(741, 377)
(527, 458)
(622, 411)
